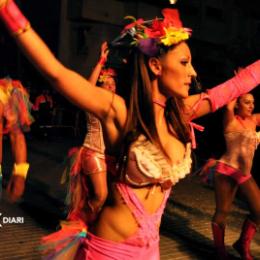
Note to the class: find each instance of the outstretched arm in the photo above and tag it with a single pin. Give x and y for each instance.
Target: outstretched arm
(217, 97)
(68, 82)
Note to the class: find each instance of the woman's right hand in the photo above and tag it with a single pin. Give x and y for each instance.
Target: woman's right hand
(104, 49)
(103, 53)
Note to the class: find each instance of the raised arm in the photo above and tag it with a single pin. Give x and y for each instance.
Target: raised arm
(229, 114)
(103, 58)
(73, 86)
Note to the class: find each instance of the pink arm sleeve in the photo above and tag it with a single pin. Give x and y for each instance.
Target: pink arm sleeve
(243, 82)
(13, 17)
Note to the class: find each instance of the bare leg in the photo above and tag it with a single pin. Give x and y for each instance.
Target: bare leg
(19, 148)
(97, 196)
(225, 191)
(251, 191)
(99, 183)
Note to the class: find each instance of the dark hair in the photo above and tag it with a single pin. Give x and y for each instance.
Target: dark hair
(141, 117)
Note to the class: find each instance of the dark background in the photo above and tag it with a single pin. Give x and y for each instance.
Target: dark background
(241, 51)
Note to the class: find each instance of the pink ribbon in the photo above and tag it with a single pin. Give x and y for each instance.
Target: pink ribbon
(193, 138)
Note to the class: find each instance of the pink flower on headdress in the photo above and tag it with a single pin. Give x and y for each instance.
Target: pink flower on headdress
(109, 72)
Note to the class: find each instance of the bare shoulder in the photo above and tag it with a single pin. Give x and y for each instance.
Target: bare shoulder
(117, 111)
(114, 121)
(256, 118)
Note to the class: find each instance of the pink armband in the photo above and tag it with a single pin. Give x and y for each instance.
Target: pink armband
(13, 18)
(102, 61)
(243, 82)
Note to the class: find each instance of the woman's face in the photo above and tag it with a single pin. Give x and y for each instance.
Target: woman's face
(176, 71)
(109, 84)
(245, 105)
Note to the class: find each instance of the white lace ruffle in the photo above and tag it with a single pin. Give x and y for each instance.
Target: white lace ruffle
(152, 163)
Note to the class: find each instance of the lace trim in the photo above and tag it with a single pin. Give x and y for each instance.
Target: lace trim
(153, 164)
(250, 134)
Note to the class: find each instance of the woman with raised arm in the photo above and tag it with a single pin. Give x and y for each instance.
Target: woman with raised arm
(232, 171)
(86, 174)
(88, 167)
(148, 133)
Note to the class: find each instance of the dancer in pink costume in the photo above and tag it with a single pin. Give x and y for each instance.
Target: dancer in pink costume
(86, 175)
(88, 167)
(148, 133)
(232, 171)
(15, 120)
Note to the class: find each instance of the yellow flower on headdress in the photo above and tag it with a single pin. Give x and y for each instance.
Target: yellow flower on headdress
(102, 78)
(174, 35)
(106, 73)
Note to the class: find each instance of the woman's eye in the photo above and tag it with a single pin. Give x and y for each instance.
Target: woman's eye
(184, 62)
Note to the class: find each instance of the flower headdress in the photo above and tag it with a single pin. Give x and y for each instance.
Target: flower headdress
(106, 73)
(147, 36)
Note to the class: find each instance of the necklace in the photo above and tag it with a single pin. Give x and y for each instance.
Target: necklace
(159, 103)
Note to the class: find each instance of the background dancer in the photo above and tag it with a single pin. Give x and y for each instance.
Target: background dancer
(88, 176)
(15, 119)
(232, 171)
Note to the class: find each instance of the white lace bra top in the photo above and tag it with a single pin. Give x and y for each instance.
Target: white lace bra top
(94, 137)
(240, 149)
(148, 165)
